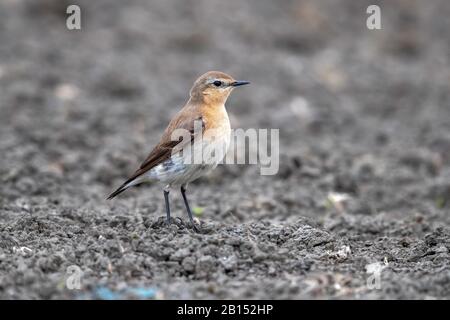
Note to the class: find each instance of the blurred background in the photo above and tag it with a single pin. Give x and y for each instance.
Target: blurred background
(361, 112)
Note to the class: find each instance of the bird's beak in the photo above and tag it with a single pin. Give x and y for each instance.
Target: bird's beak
(239, 83)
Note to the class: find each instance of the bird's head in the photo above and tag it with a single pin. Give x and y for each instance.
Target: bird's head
(214, 87)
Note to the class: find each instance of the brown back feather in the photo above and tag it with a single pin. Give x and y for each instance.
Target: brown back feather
(185, 119)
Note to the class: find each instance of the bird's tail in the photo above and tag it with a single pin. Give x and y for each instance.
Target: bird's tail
(129, 183)
(119, 190)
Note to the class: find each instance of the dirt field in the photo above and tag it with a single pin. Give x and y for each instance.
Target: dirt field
(364, 178)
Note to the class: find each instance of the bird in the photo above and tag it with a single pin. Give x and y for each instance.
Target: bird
(203, 119)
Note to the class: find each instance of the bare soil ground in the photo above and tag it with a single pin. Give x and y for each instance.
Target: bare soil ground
(361, 113)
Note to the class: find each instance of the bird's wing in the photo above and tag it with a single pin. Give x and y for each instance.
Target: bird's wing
(167, 146)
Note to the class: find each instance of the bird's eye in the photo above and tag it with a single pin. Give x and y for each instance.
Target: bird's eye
(217, 83)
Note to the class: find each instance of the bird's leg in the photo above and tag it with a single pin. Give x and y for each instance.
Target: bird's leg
(166, 197)
(183, 193)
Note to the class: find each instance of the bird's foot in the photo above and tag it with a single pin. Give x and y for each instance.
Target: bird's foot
(180, 223)
(193, 223)
(186, 224)
(196, 229)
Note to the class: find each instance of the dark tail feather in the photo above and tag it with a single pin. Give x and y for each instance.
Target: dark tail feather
(119, 190)
(126, 185)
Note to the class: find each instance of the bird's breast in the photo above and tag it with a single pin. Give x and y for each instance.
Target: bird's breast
(217, 127)
(216, 119)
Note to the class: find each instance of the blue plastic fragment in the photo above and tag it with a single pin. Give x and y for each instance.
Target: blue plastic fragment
(106, 294)
(143, 293)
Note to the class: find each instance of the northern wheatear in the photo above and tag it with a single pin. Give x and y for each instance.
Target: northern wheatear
(169, 162)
